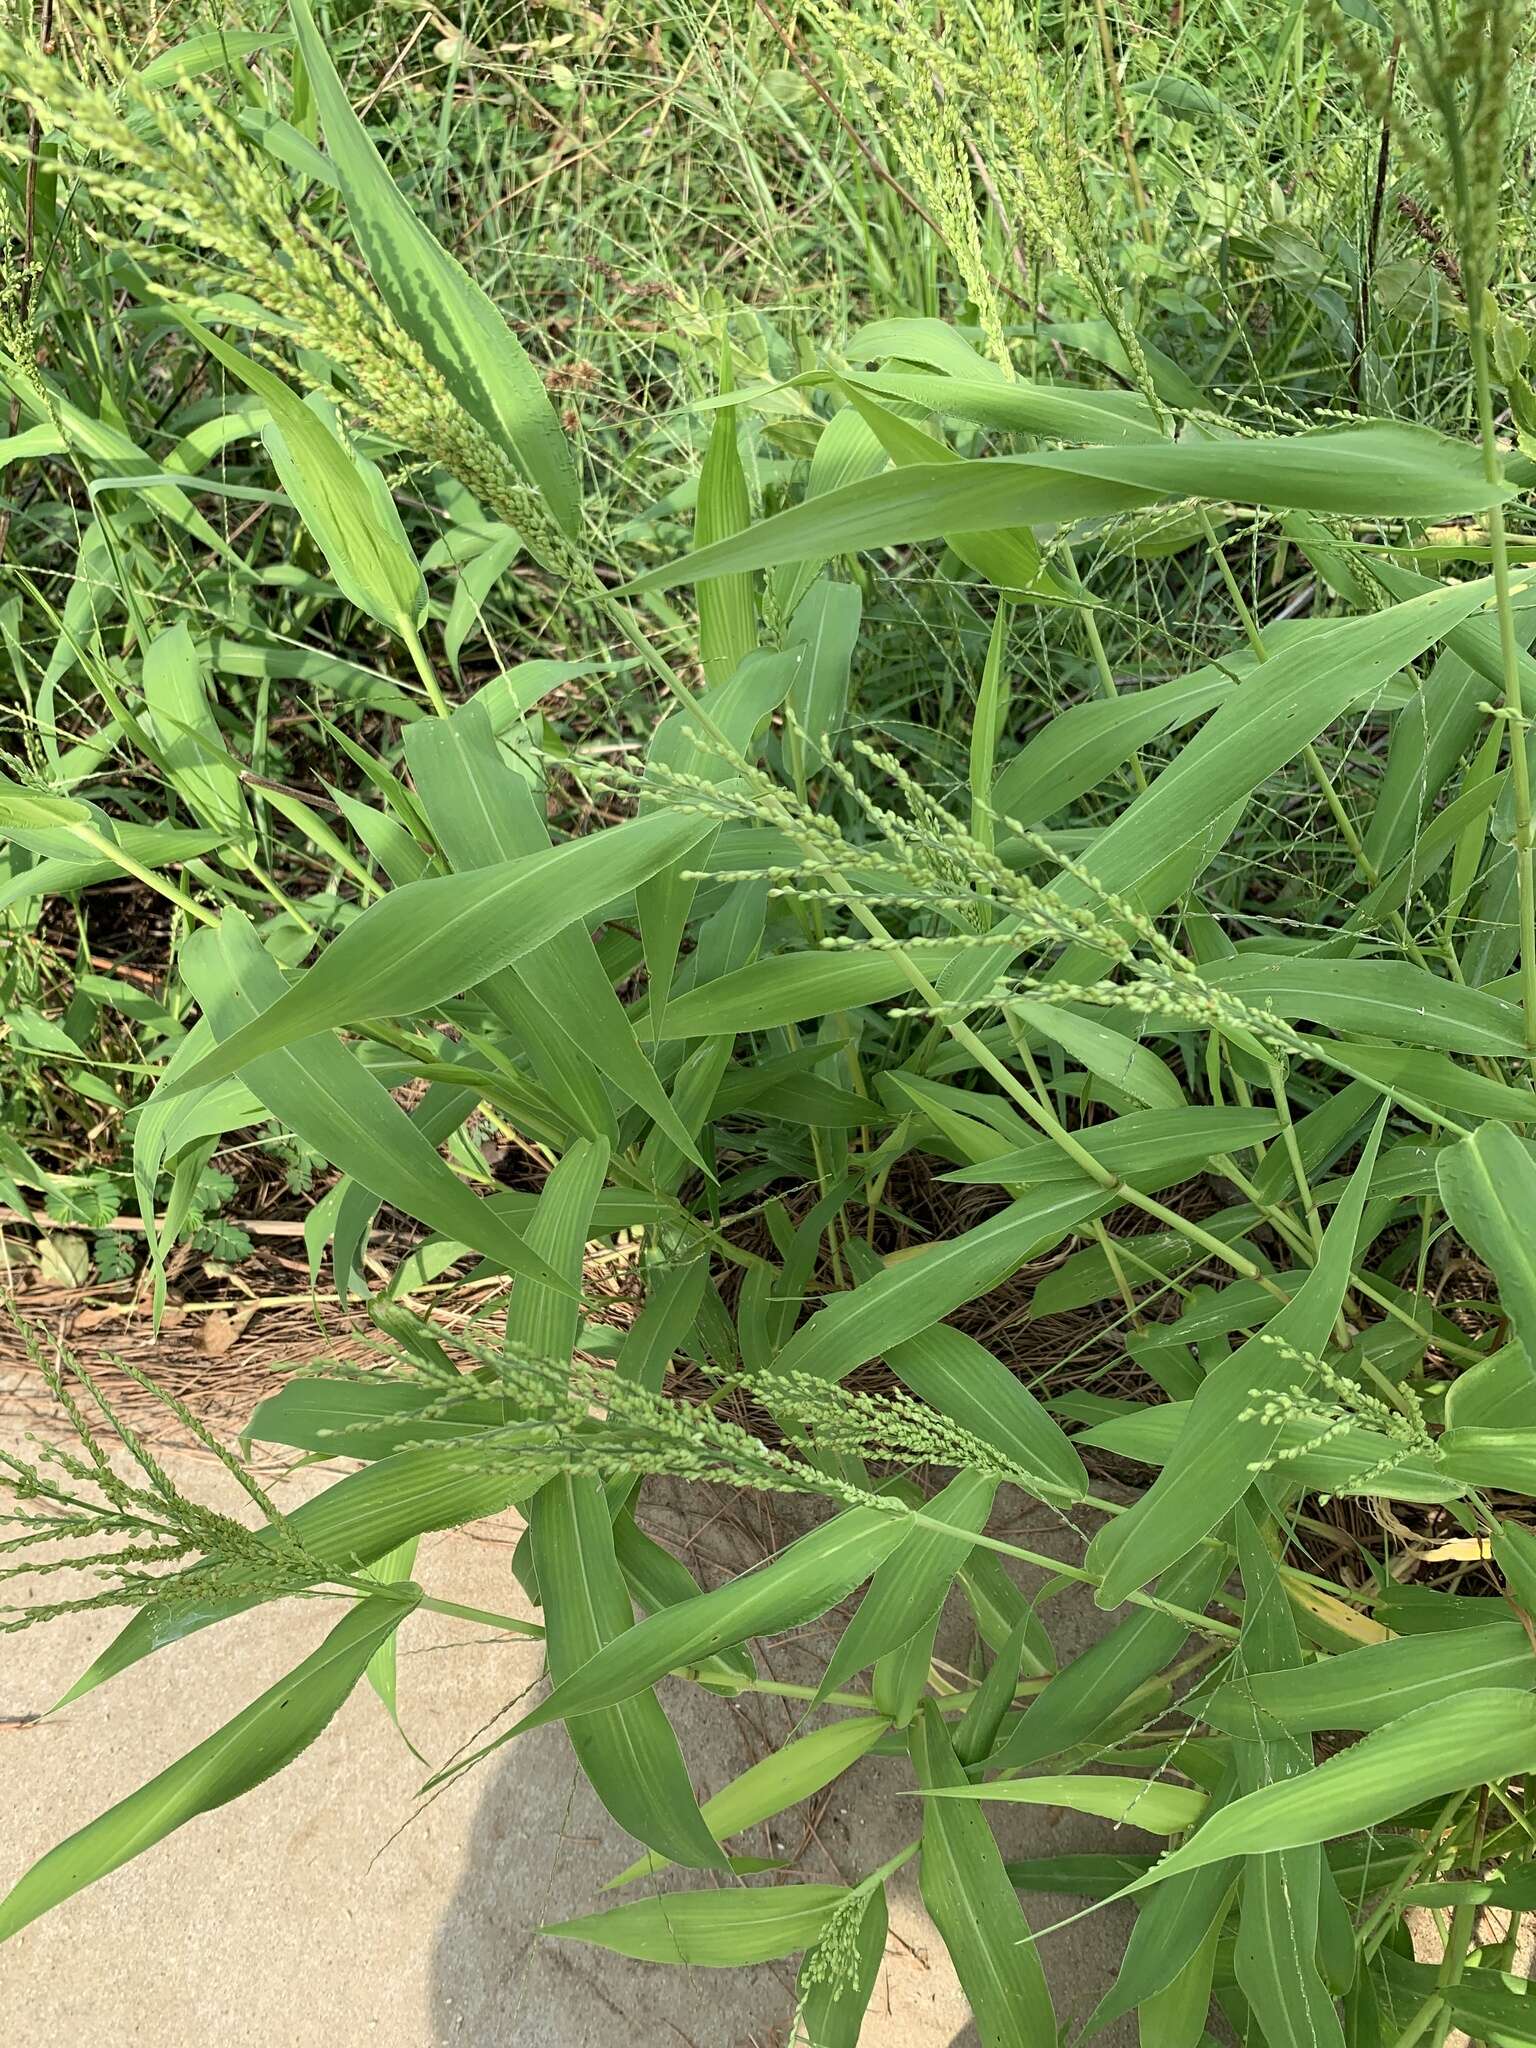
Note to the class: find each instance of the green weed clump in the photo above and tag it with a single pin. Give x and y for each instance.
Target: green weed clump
(1064, 863)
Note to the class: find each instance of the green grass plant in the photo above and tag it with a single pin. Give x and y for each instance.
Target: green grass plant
(896, 648)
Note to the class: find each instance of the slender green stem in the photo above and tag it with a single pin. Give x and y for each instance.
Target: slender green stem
(1509, 658)
(424, 669)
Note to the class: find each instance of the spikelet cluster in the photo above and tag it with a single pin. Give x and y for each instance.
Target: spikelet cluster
(130, 1537)
(1463, 60)
(226, 240)
(905, 86)
(1329, 1405)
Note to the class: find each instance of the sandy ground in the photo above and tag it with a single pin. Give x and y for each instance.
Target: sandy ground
(330, 1906)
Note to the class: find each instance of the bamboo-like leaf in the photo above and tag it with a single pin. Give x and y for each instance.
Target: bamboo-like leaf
(481, 811)
(418, 945)
(825, 627)
(793, 1588)
(1388, 999)
(318, 1089)
(270, 1733)
(340, 498)
(975, 1908)
(909, 1298)
(1088, 1691)
(1134, 1802)
(1394, 1768)
(627, 1751)
(1352, 1461)
(795, 988)
(908, 1589)
(1380, 470)
(437, 302)
(1148, 1147)
(1211, 1466)
(1265, 722)
(1107, 1054)
(1369, 1687)
(713, 1930)
(195, 755)
(1055, 410)
(1275, 1957)
(961, 1379)
(728, 607)
(1488, 1185)
(1083, 744)
(797, 1771)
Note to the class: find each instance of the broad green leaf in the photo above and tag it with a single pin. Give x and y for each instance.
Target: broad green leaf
(627, 1751)
(713, 1930)
(217, 49)
(1134, 1802)
(1390, 999)
(543, 1322)
(1499, 1458)
(657, 1579)
(845, 451)
(1007, 557)
(909, 1297)
(738, 710)
(419, 945)
(1497, 1394)
(1423, 1081)
(1265, 722)
(1275, 1958)
(1166, 836)
(1397, 1767)
(795, 1587)
(797, 1771)
(1088, 1877)
(147, 846)
(961, 1379)
(437, 302)
(270, 1733)
(348, 1527)
(728, 607)
(825, 627)
(1087, 1692)
(1210, 1468)
(1107, 1054)
(1173, 1924)
(1352, 1461)
(974, 1906)
(394, 1568)
(1369, 1687)
(24, 810)
(1086, 742)
(795, 988)
(1380, 470)
(194, 752)
(1146, 1147)
(1488, 1185)
(320, 1090)
(481, 811)
(908, 1589)
(1383, 1774)
(1057, 411)
(340, 497)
